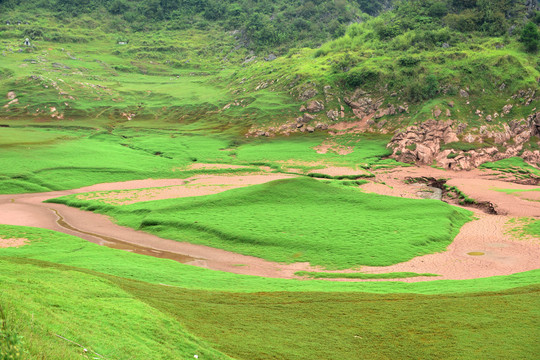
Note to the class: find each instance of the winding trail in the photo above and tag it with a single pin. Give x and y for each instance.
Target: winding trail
(481, 249)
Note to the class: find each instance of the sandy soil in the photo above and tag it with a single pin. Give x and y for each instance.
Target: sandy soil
(338, 171)
(196, 186)
(529, 195)
(200, 166)
(496, 252)
(481, 249)
(331, 146)
(13, 242)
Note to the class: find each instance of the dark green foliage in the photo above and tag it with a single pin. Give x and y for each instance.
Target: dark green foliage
(536, 18)
(408, 61)
(464, 21)
(438, 9)
(357, 78)
(262, 24)
(530, 37)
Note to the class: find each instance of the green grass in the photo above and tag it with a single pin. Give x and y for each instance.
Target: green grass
(44, 300)
(533, 228)
(298, 220)
(49, 158)
(364, 276)
(298, 152)
(513, 191)
(525, 227)
(514, 165)
(463, 199)
(60, 284)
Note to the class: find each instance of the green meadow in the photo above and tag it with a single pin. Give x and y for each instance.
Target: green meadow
(127, 306)
(296, 220)
(45, 158)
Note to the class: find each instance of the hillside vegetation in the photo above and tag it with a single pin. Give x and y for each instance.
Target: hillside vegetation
(184, 61)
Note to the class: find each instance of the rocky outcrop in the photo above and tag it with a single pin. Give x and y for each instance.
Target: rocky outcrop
(422, 143)
(307, 93)
(362, 104)
(534, 121)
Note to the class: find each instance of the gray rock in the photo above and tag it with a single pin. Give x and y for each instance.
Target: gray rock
(315, 106)
(270, 57)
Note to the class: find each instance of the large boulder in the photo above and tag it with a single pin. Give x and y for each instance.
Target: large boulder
(315, 106)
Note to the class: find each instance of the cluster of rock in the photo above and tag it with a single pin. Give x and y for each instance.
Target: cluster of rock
(305, 123)
(422, 143)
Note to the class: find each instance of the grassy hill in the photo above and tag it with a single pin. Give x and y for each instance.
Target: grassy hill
(179, 63)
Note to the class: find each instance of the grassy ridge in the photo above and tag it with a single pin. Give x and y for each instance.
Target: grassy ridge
(364, 276)
(516, 166)
(298, 220)
(43, 298)
(59, 248)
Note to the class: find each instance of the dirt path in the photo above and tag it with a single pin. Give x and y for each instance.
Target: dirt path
(481, 249)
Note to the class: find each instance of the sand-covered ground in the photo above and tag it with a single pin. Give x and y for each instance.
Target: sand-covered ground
(12, 242)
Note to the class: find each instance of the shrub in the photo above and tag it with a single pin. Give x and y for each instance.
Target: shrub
(357, 78)
(438, 9)
(408, 61)
(530, 37)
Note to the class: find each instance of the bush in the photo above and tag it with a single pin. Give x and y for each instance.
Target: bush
(438, 9)
(464, 22)
(530, 37)
(357, 78)
(408, 61)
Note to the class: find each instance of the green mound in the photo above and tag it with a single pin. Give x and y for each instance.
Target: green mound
(298, 220)
(392, 275)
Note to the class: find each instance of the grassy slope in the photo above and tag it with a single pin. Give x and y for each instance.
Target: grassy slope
(43, 298)
(298, 220)
(515, 166)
